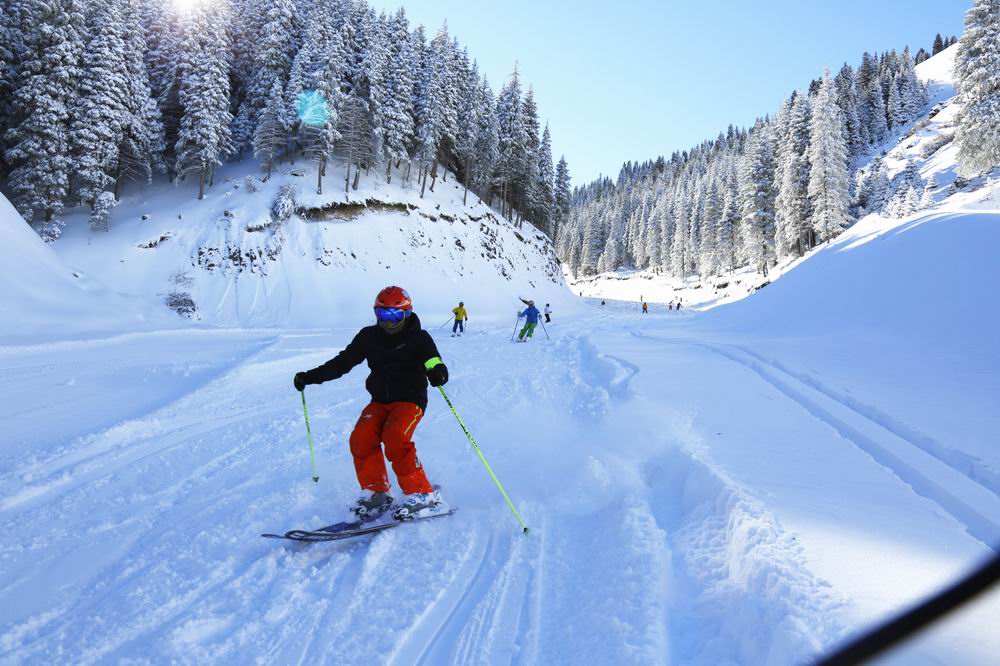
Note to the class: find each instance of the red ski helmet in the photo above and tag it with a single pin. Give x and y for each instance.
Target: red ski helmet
(394, 297)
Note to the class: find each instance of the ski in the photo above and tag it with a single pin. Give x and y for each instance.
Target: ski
(349, 530)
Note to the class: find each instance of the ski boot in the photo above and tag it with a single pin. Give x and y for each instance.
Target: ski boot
(370, 505)
(420, 505)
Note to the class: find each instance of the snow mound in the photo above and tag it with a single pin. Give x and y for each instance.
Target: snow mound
(892, 280)
(234, 259)
(40, 296)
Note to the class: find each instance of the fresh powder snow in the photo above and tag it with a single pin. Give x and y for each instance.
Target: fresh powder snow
(754, 478)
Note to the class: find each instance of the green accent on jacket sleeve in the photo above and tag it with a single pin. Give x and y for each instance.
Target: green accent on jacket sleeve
(432, 363)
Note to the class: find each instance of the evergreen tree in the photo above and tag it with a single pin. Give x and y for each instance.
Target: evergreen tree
(894, 111)
(204, 135)
(527, 176)
(487, 139)
(938, 44)
(872, 100)
(562, 195)
(828, 178)
(847, 100)
(468, 125)
(544, 184)
(101, 111)
(513, 141)
(269, 139)
(140, 152)
(7, 68)
(399, 79)
(432, 105)
(977, 77)
(37, 141)
(757, 200)
(162, 57)
(271, 60)
(792, 206)
(874, 188)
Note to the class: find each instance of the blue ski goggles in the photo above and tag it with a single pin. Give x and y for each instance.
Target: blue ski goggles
(391, 315)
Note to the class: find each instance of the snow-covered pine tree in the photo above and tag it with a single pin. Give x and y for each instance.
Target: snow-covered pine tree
(593, 245)
(873, 190)
(913, 93)
(399, 79)
(355, 136)
(847, 100)
(7, 67)
(725, 243)
(709, 228)
(487, 141)
(872, 99)
(757, 200)
(977, 77)
(527, 177)
(322, 98)
(792, 206)
(895, 116)
(270, 136)
(562, 195)
(140, 153)
(162, 56)
(203, 139)
(927, 197)
(431, 105)
(100, 113)
(828, 177)
(513, 142)
(270, 58)
(37, 140)
(544, 184)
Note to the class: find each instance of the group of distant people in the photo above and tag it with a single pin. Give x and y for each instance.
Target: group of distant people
(531, 316)
(673, 305)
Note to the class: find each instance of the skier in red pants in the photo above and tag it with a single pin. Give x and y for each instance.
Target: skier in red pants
(403, 359)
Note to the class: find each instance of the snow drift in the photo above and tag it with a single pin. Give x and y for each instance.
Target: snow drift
(42, 297)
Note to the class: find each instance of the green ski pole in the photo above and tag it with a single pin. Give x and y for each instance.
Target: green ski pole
(312, 454)
(483, 459)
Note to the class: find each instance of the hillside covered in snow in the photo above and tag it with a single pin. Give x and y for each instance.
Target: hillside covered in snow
(230, 260)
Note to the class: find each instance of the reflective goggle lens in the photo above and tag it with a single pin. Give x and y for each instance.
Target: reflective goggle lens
(391, 315)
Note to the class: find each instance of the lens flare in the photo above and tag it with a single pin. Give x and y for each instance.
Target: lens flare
(312, 109)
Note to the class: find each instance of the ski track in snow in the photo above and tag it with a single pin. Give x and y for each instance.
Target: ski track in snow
(956, 488)
(640, 552)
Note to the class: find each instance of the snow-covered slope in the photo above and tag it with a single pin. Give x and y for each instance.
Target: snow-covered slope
(40, 297)
(231, 260)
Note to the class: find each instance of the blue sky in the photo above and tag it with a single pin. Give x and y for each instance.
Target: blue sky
(632, 79)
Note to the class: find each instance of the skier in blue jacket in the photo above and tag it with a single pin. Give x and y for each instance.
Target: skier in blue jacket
(531, 315)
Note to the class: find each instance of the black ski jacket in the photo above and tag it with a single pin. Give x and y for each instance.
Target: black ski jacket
(397, 361)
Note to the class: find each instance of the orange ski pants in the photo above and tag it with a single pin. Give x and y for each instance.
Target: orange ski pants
(393, 424)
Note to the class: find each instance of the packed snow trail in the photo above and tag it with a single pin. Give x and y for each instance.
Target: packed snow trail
(683, 509)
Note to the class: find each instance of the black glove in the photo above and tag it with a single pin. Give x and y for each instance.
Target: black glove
(300, 381)
(438, 375)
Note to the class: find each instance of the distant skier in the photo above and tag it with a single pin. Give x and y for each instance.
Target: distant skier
(461, 316)
(671, 306)
(548, 314)
(530, 315)
(602, 303)
(645, 308)
(678, 305)
(402, 358)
